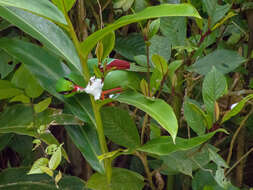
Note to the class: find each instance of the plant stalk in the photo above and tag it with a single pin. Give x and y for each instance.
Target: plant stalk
(95, 107)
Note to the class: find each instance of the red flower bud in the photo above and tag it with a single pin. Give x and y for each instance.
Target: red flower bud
(118, 65)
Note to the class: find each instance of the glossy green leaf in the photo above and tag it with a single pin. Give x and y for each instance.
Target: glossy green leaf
(48, 33)
(17, 179)
(21, 98)
(66, 4)
(108, 44)
(86, 140)
(9, 92)
(43, 8)
(148, 13)
(55, 159)
(156, 108)
(24, 79)
(236, 109)
(120, 127)
(164, 145)
(41, 106)
(174, 28)
(153, 28)
(193, 117)
(36, 166)
(120, 78)
(225, 61)
(214, 86)
(121, 178)
(48, 70)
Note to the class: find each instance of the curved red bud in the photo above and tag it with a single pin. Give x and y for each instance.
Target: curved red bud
(118, 64)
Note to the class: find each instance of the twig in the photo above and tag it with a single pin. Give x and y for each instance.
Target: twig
(100, 15)
(144, 124)
(238, 161)
(235, 135)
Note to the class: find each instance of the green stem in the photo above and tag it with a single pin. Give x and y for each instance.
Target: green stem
(95, 106)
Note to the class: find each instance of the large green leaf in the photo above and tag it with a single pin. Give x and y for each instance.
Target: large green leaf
(122, 179)
(119, 127)
(225, 61)
(48, 33)
(5, 68)
(164, 145)
(214, 86)
(86, 140)
(148, 13)
(43, 8)
(17, 179)
(156, 108)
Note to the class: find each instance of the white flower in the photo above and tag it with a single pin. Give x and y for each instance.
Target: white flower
(233, 105)
(94, 87)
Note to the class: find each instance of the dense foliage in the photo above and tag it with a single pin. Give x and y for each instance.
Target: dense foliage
(126, 94)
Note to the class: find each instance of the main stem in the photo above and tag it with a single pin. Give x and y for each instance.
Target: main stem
(95, 107)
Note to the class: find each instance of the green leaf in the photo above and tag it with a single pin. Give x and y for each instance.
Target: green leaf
(86, 140)
(236, 109)
(160, 63)
(120, 78)
(66, 4)
(17, 178)
(225, 61)
(21, 98)
(55, 159)
(148, 13)
(5, 68)
(130, 46)
(36, 166)
(46, 170)
(5, 139)
(214, 86)
(19, 119)
(124, 4)
(48, 33)
(157, 109)
(161, 46)
(108, 44)
(217, 159)
(120, 127)
(164, 145)
(9, 92)
(174, 29)
(4, 25)
(24, 79)
(215, 11)
(121, 178)
(43, 8)
(153, 28)
(193, 117)
(41, 106)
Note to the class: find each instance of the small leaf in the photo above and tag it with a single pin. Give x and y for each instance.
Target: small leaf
(55, 159)
(47, 171)
(99, 52)
(66, 4)
(21, 98)
(58, 177)
(217, 159)
(52, 148)
(235, 110)
(36, 166)
(153, 28)
(108, 44)
(144, 87)
(37, 143)
(160, 63)
(43, 105)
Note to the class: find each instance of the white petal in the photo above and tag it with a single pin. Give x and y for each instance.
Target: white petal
(94, 87)
(233, 105)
